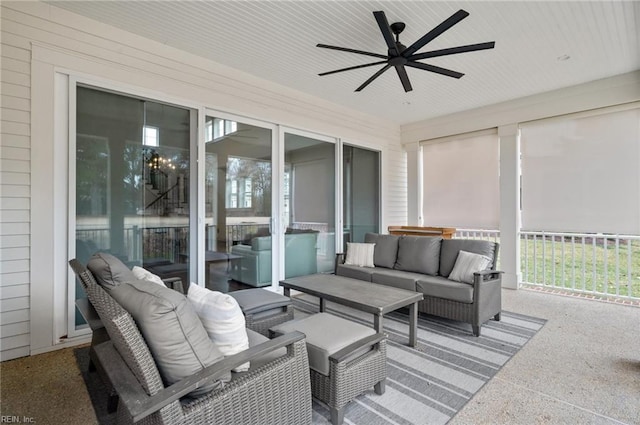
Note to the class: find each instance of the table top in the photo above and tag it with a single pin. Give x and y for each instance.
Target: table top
(359, 294)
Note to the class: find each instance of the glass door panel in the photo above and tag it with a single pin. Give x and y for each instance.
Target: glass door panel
(309, 195)
(361, 193)
(238, 178)
(132, 174)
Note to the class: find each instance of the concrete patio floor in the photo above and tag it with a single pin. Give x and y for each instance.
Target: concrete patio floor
(582, 367)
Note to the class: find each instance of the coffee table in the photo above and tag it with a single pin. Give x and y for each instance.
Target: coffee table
(360, 295)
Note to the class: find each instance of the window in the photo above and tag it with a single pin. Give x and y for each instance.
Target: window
(217, 128)
(151, 136)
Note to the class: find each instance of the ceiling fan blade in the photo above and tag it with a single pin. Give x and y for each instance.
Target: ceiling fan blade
(453, 51)
(404, 78)
(373, 77)
(344, 49)
(352, 67)
(437, 31)
(381, 18)
(436, 69)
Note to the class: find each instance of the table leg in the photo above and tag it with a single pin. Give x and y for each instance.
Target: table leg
(322, 305)
(413, 325)
(377, 322)
(287, 292)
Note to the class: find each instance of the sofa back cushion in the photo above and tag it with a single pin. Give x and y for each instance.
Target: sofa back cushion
(261, 243)
(451, 247)
(420, 254)
(386, 250)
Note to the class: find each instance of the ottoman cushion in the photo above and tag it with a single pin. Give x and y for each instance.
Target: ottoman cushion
(325, 335)
(259, 300)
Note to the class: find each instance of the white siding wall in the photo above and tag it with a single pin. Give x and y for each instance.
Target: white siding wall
(38, 38)
(14, 196)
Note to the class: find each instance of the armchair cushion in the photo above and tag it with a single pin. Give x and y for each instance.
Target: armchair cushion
(222, 319)
(170, 326)
(109, 270)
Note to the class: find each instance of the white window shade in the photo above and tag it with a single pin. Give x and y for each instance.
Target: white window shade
(582, 174)
(461, 186)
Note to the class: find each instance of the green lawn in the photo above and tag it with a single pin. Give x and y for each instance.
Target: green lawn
(585, 267)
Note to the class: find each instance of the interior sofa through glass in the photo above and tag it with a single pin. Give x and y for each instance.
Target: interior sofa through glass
(254, 266)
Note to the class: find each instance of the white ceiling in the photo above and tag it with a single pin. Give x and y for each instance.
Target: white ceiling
(276, 40)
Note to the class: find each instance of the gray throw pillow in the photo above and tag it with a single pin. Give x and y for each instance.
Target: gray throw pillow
(451, 248)
(175, 335)
(386, 250)
(420, 254)
(108, 270)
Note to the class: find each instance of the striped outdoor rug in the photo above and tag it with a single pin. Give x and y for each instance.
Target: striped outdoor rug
(429, 384)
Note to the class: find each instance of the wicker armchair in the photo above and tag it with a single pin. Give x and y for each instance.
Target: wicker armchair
(277, 392)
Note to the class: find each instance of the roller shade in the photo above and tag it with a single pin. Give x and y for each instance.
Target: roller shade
(461, 186)
(582, 174)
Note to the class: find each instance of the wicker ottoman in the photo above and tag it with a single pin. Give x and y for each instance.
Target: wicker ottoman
(345, 359)
(263, 309)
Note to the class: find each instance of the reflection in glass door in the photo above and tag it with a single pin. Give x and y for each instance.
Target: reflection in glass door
(132, 174)
(361, 193)
(238, 179)
(309, 203)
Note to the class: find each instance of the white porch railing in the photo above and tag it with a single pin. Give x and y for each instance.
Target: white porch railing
(598, 264)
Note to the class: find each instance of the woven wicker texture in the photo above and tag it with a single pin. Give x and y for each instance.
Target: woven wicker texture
(277, 393)
(347, 380)
(262, 324)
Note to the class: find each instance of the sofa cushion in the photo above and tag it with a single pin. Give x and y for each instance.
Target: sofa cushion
(440, 287)
(359, 254)
(451, 247)
(466, 265)
(419, 254)
(170, 326)
(396, 278)
(108, 270)
(386, 250)
(223, 320)
(355, 272)
(262, 243)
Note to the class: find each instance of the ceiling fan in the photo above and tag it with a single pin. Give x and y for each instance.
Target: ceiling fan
(399, 56)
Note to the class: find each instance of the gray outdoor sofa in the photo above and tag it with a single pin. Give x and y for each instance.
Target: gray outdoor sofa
(424, 264)
(212, 393)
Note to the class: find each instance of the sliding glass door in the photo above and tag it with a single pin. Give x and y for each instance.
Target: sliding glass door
(238, 204)
(360, 193)
(309, 204)
(132, 179)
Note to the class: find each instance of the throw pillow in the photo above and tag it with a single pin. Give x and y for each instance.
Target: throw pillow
(172, 330)
(144, 274)
(360, 254)
(467, 264)
(222, 319)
